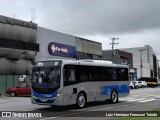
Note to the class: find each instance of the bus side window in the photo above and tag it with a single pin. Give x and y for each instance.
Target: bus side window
(72, 75)
(122, 74)
(69, 77)
(82, 74)
(114, 74)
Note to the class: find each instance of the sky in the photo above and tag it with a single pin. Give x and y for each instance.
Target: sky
(135, 22)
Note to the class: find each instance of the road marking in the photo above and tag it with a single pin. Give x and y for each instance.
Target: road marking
(125, 98)
(48, 118)
(110, 107)
(147, 100)
(150, 95)
(136, 99)
(28, 110)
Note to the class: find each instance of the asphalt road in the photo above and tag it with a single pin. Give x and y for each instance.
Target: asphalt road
(143, 99)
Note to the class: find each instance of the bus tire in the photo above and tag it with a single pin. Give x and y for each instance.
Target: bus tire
(114, 96)
(12, 94)
(81, 100)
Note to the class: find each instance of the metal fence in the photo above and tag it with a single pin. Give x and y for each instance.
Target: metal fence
(7, 81)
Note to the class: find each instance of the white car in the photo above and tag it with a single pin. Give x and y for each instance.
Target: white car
(142, 84)
(136, 85)
(145, 84)
(22, 78)
(131, 85)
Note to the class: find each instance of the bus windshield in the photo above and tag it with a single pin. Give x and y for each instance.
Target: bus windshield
(45, 80)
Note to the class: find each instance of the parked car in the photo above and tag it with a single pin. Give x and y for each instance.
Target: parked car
(22, 78)
(136, 85)
(22, 89)
(131, 85)
(142, 84)
(145, 83)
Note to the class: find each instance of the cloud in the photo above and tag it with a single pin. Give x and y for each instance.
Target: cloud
(129, 40)
(83, 17)
(104, 16)
(135, 22)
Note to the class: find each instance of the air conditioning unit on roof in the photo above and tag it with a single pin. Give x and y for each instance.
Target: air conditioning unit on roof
(95, 61)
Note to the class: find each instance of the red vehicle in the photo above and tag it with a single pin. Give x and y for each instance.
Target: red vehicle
(22, 89)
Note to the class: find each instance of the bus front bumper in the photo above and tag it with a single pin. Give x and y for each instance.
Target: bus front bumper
(43, 101)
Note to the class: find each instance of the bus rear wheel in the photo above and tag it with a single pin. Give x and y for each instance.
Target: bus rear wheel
(114, 96)
(81, 100)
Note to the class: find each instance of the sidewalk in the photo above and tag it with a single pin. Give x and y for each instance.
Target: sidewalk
(4, 99)
(4, 95)
(7, 99)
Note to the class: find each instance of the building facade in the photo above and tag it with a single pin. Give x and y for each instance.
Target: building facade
(145, 60)
(56, 45)
(22, 43)
(52, 43)
(87, 49)
(18, 49)
(121, 57)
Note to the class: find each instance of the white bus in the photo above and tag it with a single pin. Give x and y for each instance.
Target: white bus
(66, 82)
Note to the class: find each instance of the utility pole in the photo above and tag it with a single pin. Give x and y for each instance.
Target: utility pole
(113, 43)
(33, 14)
(141, 66)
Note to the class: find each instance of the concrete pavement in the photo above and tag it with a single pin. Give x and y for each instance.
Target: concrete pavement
(144, 99)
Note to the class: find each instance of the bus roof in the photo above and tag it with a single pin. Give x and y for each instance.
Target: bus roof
(88, 62)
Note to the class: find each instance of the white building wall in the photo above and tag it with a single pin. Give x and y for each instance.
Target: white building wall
(45, 36)
(147, 60)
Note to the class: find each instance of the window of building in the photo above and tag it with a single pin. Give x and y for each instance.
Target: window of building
(123, 62)
(81, 55)
(96, 57)
(89, 56)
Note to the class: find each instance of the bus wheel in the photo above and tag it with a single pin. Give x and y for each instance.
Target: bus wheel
(12, 94)
(114, 97)
(81, 100)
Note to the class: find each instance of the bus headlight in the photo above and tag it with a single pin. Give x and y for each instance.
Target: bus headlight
(59, 92)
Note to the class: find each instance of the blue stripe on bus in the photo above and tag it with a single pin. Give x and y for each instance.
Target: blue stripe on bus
(120, 88)
(44, 95)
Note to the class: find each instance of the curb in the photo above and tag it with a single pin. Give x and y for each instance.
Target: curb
(4, 95)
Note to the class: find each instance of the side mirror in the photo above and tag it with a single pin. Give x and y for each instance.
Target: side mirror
(17, 86)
